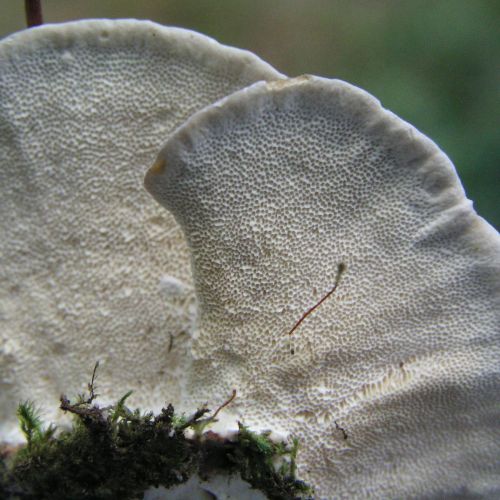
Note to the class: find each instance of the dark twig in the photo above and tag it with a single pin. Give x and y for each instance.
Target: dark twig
(33, 10)
(223, 405)
(83, 407)
(91, 386)
(194, 419)
(340, 270)
(93, 412)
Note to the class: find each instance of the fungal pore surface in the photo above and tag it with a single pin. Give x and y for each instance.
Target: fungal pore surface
(390, 383)
(90, 267)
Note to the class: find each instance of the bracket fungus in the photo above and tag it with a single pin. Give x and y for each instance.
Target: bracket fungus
(90, 267)
(289, 189)
(345, 286)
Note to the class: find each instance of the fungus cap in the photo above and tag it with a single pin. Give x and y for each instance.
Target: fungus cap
(391, 383)
(90, 267)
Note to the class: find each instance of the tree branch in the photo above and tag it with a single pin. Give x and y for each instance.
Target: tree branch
(33, 10)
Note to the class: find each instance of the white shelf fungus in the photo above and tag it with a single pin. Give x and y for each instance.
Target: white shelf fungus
(302, 201)
(392, 383)
(90, 267)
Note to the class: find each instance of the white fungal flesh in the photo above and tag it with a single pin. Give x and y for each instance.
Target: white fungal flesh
(392, 383)
(84, 251)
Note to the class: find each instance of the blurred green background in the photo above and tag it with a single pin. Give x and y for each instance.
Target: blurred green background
(435, 63)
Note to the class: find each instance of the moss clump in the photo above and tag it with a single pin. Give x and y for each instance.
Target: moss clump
(255, 455)
(115, 452)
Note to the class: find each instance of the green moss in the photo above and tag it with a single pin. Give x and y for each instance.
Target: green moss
(255, 456)
(116, 452)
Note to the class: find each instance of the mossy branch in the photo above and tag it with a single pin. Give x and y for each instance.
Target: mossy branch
(89, 460)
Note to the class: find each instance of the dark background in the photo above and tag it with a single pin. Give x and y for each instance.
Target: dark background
(435, 63)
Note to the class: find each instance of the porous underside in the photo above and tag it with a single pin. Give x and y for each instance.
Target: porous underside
(90, 267)
(392, 383)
